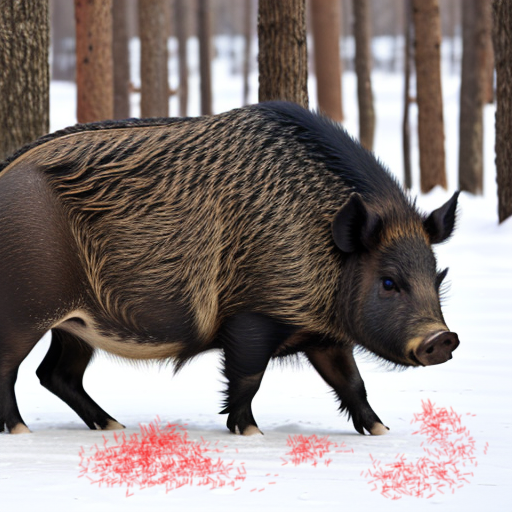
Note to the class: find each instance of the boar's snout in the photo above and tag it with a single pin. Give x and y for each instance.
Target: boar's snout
(437, 348)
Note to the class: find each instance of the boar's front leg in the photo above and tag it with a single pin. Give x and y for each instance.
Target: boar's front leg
(248, 340)
(338, 368)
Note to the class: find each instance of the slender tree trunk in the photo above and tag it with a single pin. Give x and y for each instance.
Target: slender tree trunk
(24, 73)
(326, 22)
(406, 130)
(502, 39)
(472, 92)
(121, 61)
(182, 31)
(488, 54)
(427, 29)
(62, 30)
(94, 69)
(282, 58)
(363, 71)
(154, 82)
(248, 32)
(153, 32)
(205, 55)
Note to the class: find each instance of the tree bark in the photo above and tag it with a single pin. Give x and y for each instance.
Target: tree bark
(182, 31)
(282, 58)
(326, 24)
(406, 129)
(121, 61)
(94, 69)
(429, 96)
(154, 83)
(488, 54)
(472, 94)
(248, 33)
(62, 29)
(24, 73)
(502, 39)
(205, 55)
(363, 71)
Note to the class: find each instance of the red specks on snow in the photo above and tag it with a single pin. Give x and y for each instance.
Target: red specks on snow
(449, 450)
(305, 450)
(163, 455)
(158, 455)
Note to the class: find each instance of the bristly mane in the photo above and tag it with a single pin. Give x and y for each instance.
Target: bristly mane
(358, 167)
(89, 127)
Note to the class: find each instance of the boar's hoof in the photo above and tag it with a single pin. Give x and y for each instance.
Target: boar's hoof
(20, 428)
(437, 348)
(111, 425)
(379, 429)
(250, 430)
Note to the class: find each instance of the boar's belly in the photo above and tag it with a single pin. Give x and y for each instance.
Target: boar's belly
(84, 326)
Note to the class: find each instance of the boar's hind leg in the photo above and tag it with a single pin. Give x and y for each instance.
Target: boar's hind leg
(13, 350)
(248, 340)
(61, 372)
(338, 368)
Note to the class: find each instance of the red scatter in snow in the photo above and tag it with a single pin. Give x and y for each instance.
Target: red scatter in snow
(158, 455)
(310, 449)
(449, 450)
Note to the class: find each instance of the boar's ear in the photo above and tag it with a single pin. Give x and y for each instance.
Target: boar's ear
(355, 228)
(440, 223)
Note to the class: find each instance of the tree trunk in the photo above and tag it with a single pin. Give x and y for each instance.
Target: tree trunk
(282, 58)
(62, 30)
(326, 22)
(406, 130)
(205, 55)
(94, 73)
(247, 48)
(121, 61)
(502, 39)
(488, 54)
(182, 32)
(472, 93)
(24, 73)
(427, 29)
(363, 71)
(154, 83)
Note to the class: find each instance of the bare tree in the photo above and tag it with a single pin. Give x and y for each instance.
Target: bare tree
(248, 33)
(154, 83)
(24, 73)
(502, 39)
(326, 23)
(94, 70)
(408, 56)
(282, 58)
(363, 71)
(427, 29)
(121, 61)
(182, 31)
(488, 55)
(62, 29)
(205, 55)
(472, 95)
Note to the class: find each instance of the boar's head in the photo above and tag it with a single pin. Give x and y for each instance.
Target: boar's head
(393, 307)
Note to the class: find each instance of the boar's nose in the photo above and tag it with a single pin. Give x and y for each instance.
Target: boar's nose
(437, 349)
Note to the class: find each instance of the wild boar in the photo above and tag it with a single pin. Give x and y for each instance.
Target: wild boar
(265, 232)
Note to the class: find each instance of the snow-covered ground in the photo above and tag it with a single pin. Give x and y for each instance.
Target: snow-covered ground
(40, 471)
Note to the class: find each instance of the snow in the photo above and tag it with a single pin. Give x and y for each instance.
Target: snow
(40, 471)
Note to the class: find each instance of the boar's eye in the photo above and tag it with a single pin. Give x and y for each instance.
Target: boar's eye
(389, 285)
